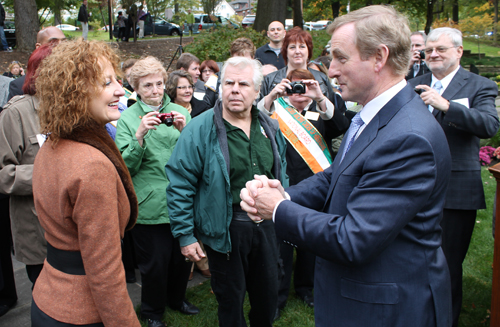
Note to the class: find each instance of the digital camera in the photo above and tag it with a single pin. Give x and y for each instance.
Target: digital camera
(167, 119)
(296, 88)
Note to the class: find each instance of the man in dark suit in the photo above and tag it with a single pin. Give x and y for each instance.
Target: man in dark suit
(464, 105)
(372, 218)
(417, 63)
(51, 35)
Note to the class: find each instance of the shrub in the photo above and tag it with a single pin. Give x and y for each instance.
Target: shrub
(215, 45)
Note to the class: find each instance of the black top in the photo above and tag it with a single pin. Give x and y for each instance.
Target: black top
(423, 69)
(16, 87)
(83, 16)
(197, 107)
(267, 56)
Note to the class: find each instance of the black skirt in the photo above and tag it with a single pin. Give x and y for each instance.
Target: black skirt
(40, 319)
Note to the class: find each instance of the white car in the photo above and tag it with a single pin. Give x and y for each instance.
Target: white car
(67, 27)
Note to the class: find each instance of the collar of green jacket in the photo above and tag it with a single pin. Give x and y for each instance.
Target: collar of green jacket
(166, 101)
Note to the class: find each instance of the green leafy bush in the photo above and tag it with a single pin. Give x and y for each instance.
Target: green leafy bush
(320, 39)
(215, 45)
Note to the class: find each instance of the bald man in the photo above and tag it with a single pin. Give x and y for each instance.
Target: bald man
(270, 54)
(51, 35)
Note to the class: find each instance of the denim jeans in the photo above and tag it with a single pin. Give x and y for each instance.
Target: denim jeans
(5, 46)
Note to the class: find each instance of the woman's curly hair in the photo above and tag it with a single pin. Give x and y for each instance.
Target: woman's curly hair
(66, 82)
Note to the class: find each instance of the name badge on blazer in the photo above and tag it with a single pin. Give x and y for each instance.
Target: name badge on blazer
(463, 102)
(311, 115)
(41, 139)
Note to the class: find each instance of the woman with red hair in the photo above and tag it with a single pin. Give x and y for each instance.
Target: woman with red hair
(297, 50)
(20, 140)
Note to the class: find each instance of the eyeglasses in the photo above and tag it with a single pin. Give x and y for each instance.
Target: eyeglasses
(429, 51)
(207, 71)
(189, 87)
(15, 62)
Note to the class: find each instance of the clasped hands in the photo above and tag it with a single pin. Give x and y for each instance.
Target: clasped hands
(260, 196)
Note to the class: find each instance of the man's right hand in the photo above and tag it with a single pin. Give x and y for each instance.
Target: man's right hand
(193, 252)
(415, 58)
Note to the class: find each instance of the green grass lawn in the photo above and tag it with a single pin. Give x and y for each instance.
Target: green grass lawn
(477, 283)
(488, 50)
(478, 264)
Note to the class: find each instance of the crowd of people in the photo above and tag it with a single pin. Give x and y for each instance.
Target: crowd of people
(109, 166)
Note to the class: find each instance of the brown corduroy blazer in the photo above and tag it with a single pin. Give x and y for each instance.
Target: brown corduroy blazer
(82, 206)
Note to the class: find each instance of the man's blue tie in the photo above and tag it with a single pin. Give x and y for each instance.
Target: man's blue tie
(438, 87)
(356, 123)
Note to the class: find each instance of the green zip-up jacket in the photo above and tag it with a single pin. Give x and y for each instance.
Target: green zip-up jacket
(146, 164)
(199, 193)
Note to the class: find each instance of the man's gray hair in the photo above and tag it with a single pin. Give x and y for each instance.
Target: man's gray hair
(243, 62)
(422, 34)
(376, 25)
(454, 35)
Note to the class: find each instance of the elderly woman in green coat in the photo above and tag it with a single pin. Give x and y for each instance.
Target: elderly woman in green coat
(146, 139)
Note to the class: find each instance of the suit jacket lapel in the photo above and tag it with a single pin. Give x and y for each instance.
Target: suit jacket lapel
(456, 84)
(367, 136)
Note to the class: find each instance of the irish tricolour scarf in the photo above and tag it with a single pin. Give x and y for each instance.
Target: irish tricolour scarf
(303, 136)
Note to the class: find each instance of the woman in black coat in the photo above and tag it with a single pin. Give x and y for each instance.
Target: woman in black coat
(180, 89)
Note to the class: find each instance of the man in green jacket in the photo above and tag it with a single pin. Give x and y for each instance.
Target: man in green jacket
(215, 156)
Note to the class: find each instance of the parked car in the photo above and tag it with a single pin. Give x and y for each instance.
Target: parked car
(204, 22)
(67, 27)
(9, 29)
(289, 24)
(162, 27)
(321, 24)
(248, 20)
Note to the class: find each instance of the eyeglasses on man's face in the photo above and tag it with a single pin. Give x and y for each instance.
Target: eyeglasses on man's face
(429, 51)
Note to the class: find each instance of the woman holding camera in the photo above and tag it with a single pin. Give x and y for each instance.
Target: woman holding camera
(297, 50)
(180, 88)
(146, 145)
(82, 191)
(309, 121)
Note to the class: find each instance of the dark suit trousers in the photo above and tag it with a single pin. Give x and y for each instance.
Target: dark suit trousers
(458, 226)
(252, 265)
(303, 280)
(164, 271)
(8, 294)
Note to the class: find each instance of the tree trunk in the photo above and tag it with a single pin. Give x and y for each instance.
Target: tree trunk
(269, 11)
(26, 24)
(495, 4)
(297, 14)
(335, 8)
(57, 12)
(110, 18)
(430, 16)
(455, 12)
(103, 20)
(176, 7)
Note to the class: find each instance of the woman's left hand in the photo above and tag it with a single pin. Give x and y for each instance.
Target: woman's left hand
(179, 121)
(313, 90)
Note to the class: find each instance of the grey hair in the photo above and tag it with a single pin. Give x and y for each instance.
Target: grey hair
(454, 35)
(422, 34)
(243, 62)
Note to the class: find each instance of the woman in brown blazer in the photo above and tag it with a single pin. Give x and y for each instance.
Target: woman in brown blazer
(83, 192)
